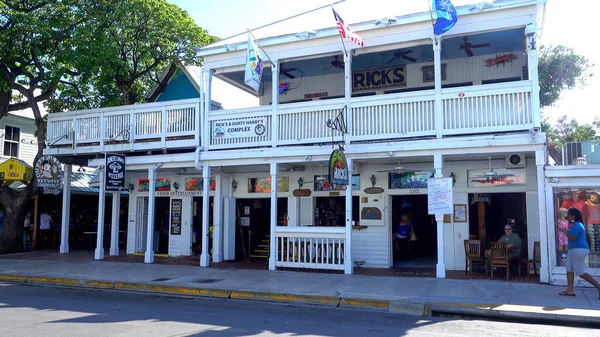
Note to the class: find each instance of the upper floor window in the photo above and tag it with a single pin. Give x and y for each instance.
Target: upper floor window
(12, 136)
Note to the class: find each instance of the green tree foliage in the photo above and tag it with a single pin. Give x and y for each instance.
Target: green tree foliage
(569, 130)
(560, 68)
(132, 42)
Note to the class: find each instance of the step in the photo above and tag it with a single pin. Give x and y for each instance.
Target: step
(259, 256)
(261, 251)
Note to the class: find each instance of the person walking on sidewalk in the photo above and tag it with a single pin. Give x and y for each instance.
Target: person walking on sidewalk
(578, 250)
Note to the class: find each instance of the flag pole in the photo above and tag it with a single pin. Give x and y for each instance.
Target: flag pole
(435, 38)
(261, 48)
(341, 38)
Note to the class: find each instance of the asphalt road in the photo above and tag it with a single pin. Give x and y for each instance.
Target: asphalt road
(53, 312)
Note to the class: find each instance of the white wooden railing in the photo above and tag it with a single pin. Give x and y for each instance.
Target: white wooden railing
(310, 247)
(476, 109)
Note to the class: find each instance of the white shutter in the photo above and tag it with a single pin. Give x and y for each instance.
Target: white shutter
(306, 211)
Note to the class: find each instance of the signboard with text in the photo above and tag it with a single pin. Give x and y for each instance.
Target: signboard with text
(49, 174)
(242, 128)
(176, 216)
(392, 77)
(114, 173)
(439, 196)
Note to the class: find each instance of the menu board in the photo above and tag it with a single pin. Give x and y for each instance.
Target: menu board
(176, 216)
(439, 196)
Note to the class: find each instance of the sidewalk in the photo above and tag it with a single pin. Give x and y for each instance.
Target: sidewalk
(417, 296)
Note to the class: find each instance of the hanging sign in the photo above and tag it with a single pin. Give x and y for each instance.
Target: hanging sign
(176, 216)
(114, 173)
(439, 196)
(49, 174)
(338, 168)
(302, 192)
(373, 190)
(243, 128)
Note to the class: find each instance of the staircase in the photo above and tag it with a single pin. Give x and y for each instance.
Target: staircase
(261, 251)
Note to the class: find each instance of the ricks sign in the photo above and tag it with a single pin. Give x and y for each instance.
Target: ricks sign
(338, 168)
(393, 77)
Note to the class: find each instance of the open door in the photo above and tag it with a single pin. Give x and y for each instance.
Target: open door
(141, 224)
(229, 229)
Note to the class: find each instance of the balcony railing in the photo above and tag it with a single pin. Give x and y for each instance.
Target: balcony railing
(477, 109)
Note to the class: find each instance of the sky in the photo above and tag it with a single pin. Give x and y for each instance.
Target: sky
(567, 22)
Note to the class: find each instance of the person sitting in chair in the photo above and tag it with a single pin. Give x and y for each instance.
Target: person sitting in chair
(513, 241)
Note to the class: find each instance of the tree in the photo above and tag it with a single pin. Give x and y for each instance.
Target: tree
(35, 52)
(566, 131)
(560, 68)
(133, 41)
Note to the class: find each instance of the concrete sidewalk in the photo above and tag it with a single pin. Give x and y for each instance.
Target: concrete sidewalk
(417, 296)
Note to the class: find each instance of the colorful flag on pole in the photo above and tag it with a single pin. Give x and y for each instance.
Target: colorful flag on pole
(446, 16)
(345, 31)
(254, 65)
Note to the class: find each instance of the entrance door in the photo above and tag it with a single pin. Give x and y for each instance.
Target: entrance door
(141, 224)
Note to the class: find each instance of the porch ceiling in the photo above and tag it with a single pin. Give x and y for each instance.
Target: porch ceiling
(500, 42)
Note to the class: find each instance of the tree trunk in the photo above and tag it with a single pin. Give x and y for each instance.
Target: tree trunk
(15, 206)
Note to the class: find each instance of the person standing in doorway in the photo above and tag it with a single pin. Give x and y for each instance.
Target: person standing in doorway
(27, 229)
(45, 221)
(578, 251)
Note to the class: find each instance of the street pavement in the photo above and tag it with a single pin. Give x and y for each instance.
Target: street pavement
(64, 312)
(417, 296)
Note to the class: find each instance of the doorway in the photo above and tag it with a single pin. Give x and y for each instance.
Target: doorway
(422, 252)
(197, 208)
(489, 212)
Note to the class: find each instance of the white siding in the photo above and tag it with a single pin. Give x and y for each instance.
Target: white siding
(27, 150)
(462, 70)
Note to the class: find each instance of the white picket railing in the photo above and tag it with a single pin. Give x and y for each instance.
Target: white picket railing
(305, 122)
(487, 108)
(311, 247)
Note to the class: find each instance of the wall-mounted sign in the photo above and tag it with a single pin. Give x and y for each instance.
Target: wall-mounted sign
(439, 196)
(316, 95)
(393, 77)
(49, 174)
(373, 190)
(196, 184)
(370, 213)
(497, 177)
(176, 216)
(303, 192)
(162, 185)
(114, 173)
(252, 127)
(429, 74)
(338, 168)
(408, 180)
(263, 185)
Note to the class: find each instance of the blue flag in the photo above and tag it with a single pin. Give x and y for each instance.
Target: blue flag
(446, 16)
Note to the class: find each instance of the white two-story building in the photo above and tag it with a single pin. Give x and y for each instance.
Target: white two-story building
(465, 106)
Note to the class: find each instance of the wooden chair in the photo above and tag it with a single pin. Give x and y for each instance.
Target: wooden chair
(500, 257)
(473, 255)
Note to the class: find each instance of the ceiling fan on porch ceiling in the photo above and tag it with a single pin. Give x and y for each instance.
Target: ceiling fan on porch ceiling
(401, 54)
(287, 72)
(335, 63)
(321, 178)
(491, 175)
(466, 45)
(401, 169)
(292, 168)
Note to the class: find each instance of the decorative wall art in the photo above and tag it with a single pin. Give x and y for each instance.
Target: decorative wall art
(370, 213)
(460, 213)
(429, 74)
(500, 60)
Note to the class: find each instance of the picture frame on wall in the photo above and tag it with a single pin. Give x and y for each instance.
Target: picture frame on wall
(460, 213)
(429, 74)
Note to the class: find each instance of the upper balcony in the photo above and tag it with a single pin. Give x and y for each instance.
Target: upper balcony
(488, 85)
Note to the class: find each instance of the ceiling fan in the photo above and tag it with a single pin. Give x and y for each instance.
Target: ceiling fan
(468, 45)
(286, 72)
(336, 63)
(401, 54)
(491, 176)
(400, 169)
(292, 168)
(321, 178)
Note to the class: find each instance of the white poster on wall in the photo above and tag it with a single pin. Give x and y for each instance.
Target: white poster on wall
(439, 196)
(251, 127)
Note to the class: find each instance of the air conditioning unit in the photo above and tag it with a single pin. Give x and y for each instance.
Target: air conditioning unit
(515, 160)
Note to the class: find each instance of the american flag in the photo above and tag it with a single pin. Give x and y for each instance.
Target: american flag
(345, 31)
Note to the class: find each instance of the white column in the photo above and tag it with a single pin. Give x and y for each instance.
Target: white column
(207, 135)
(273, 239)
(348, 263)
(149, 257)
(114, 227)
(99, 254)
(348, 93)
(218, 219)
(437, 64)
(532, 68)
(438, 165)
(205, 257)
(274, 103)
(66, 210)
(540, 161)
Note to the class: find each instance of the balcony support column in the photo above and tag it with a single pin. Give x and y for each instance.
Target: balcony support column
(275, 103)
(348, 93)
(207, 136)
(437, 67)
(532, 68)
(205, 256)
(149, 257)
(440, 268)
(99, 253)
(541, 157)
(273, 238)
(66, 208)
(348, 263)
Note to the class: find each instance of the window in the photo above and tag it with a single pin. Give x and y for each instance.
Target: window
(12, 136)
